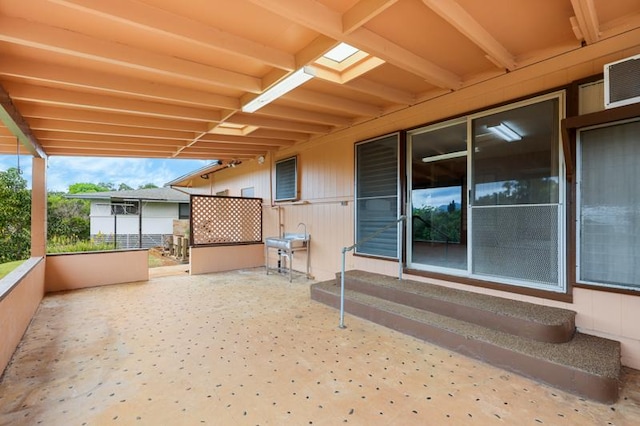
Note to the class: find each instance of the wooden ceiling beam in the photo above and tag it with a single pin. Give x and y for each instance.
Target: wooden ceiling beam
(219, 155)
(49, 135)
(32, 110)
(244, 140)
(362, 12)
(318, 17)
(335, 103)
(272, 123)
(42, 72)
(461, 20)
(280, 134)
(382, 91)
(71, 145)
(228, 149)
(15, 122)
(169, 25)
(314, 50)
(305, 115)
(59, 97)
(89, 152)
(585, 23)
(30, 34)
(107, 129)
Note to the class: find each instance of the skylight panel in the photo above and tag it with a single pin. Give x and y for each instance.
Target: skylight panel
(341, 52)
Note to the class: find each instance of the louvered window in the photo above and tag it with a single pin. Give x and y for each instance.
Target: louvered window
(377, 196)
(287, 179)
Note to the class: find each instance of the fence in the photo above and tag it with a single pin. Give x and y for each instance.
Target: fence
(218, 220)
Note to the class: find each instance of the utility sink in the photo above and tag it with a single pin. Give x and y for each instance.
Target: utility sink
(288, 242)
(287, 245)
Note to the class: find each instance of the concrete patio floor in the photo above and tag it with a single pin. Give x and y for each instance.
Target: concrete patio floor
(243, 348)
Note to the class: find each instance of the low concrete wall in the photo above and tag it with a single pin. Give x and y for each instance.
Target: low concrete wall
(70, 271)
(21, 292)
(205, 260)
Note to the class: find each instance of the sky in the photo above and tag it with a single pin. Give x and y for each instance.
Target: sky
(65, 171)
(436, 197)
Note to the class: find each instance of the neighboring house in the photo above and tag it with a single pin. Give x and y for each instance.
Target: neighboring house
(137, 218)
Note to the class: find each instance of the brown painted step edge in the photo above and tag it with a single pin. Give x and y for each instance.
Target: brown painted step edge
(538, 322)
(588, 366)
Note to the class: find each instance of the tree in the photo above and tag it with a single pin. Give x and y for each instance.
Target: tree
(108, 186)
(148, 186)
(124, 187)
(84, 187)
(67, 218)
(15, 217)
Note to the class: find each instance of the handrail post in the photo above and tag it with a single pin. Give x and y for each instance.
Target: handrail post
(344, 253)
(400, 220)
(346, 249)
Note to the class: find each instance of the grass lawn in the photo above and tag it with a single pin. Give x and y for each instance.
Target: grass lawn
(5, 268)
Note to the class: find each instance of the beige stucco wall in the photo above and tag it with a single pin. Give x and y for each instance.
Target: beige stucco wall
(326, 184)
(19, 304)
(204, 260)
(80, 270)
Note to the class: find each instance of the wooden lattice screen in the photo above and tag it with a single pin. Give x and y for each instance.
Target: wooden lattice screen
(225, 220)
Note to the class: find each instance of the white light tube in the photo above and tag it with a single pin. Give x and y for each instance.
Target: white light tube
(505, 132)
(289, 83)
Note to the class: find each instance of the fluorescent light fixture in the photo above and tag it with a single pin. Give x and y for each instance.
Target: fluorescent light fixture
(505, 132)
(286, 85)
(448, 156)
(341, 52)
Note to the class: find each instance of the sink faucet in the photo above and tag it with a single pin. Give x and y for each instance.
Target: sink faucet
(305, 229)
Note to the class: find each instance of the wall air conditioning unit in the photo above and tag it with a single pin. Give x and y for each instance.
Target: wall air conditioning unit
(622, 82)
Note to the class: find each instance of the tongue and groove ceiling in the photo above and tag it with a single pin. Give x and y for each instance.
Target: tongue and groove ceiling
(168, 79)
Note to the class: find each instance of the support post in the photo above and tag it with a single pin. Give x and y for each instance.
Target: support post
(38, 207)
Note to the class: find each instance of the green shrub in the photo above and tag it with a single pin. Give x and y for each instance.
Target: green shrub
(58, 244)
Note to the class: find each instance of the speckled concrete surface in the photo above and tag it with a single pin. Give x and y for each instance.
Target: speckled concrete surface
(243, 348)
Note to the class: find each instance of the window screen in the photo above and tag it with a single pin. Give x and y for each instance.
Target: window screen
(287, 179)
(377, 196)
(124, 207)
(609, 203)
(515, 195)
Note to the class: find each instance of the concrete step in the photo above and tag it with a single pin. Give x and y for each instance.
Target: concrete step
(542, 323)
(586, 365)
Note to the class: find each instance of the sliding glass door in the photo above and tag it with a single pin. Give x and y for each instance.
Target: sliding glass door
(485, 196)
(438, 202)
(515, 208)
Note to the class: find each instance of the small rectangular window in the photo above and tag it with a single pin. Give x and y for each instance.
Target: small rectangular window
(119, 208)
(184, 211)
(287, 179)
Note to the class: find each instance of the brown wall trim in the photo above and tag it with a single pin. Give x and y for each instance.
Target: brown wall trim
(560, 297)
(602, 117)
(607, 289)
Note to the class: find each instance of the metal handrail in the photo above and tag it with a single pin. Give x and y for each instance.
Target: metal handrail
(364, 240)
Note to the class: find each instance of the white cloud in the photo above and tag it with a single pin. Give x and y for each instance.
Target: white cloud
(65, 171)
